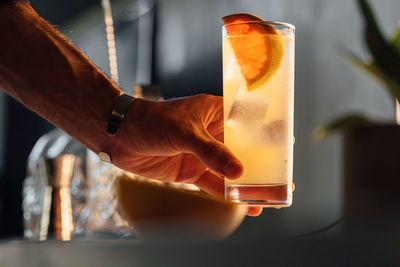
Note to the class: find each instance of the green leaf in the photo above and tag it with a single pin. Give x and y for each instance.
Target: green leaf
(396, 40)
(373, 69)
(344, 123)
(384, 54)
(368, 14)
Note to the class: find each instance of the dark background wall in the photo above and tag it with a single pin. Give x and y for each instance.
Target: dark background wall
(20, 129)
(187, 60)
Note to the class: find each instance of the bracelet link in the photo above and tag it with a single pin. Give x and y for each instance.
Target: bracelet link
(118, 113)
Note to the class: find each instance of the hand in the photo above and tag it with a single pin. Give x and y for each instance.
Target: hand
(178, 140)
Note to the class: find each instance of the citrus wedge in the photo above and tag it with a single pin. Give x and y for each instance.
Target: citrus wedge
(258, 49)
(163, 212)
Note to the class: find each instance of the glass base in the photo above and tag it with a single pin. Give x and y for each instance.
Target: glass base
(266, 195)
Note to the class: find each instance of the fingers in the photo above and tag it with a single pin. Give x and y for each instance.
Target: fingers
(216, 156)
(254, 211)
(198, 135)
(212, 184)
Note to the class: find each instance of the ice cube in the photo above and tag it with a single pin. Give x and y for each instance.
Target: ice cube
(275, 131)
(248, 109)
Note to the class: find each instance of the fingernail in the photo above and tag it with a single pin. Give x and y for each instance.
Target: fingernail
(232, 169)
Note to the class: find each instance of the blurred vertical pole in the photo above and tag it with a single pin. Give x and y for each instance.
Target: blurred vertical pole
(112, 54)
(397, 112)
(145, 42)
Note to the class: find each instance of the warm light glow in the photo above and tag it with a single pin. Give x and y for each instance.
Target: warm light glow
(67, 169)
(45, 218)
(112, 58)
(67, 225)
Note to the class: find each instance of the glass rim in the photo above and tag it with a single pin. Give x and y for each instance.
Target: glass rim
(269, 22)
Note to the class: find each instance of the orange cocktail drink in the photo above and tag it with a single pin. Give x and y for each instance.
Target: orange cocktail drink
(258, 77)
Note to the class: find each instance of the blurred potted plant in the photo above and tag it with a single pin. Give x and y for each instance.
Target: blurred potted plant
(371, 159)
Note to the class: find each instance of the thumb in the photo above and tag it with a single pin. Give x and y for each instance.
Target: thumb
(216, 156)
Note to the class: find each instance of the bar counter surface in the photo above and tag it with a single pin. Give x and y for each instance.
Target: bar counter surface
(317, 250)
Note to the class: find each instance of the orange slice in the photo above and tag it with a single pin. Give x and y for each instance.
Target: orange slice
(258, 49)
(159, 211)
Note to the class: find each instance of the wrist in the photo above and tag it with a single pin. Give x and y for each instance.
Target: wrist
(118, 113)
(126, 141)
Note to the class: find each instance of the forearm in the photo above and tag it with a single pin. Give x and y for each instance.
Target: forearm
(50, 76)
